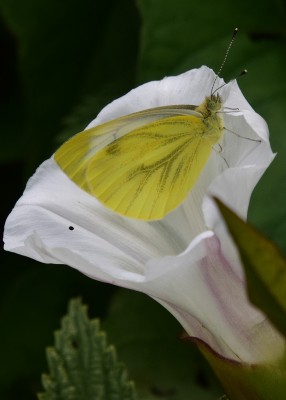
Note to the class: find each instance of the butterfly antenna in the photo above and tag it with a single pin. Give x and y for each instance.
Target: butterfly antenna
(224, 60)
(244, 72)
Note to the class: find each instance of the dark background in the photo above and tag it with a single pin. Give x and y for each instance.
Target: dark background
(61, 62)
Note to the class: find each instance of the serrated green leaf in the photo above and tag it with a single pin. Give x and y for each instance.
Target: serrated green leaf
(264, 266)
(82, 366)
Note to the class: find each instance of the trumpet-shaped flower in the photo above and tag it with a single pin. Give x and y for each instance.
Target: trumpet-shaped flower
(186, 260)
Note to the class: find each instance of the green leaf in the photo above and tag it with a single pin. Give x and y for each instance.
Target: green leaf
(23, 354)
(177, 36)
(82, 365)
(264, 265)
(61, 58)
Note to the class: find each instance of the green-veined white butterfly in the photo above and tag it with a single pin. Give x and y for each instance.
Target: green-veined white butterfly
(143, 165)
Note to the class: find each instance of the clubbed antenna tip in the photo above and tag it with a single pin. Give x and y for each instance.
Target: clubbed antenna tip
(225, 57)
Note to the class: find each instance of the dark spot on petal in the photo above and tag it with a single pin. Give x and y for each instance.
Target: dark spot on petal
(71, 228)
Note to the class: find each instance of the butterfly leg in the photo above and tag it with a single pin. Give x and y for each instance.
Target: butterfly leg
(242, 137)
(218, 149)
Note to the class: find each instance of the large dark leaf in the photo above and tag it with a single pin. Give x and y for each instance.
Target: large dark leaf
(264, 266)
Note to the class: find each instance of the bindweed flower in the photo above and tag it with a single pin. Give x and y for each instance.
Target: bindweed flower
(186, 260)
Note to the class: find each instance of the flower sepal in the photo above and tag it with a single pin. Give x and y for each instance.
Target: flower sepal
(242, 381)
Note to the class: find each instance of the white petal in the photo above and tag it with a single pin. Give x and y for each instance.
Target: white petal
(235, 184)
(202, 291)
(233, 97)
(39, 227)
(190, 87)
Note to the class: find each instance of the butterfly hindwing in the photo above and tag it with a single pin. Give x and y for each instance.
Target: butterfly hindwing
(150, 171)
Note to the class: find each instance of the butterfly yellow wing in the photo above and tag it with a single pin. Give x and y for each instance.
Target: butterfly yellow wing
(142, 165)
(74, 155)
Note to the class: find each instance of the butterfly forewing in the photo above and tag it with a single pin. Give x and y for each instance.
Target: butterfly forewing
(142, 165)
(75, 153)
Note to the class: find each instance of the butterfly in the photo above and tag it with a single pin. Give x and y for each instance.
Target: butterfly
(143, 165)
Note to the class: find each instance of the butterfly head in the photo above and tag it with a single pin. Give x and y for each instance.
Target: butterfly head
(210, 106)
(214, 102)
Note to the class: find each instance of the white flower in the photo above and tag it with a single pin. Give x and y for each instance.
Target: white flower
(186, 261)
